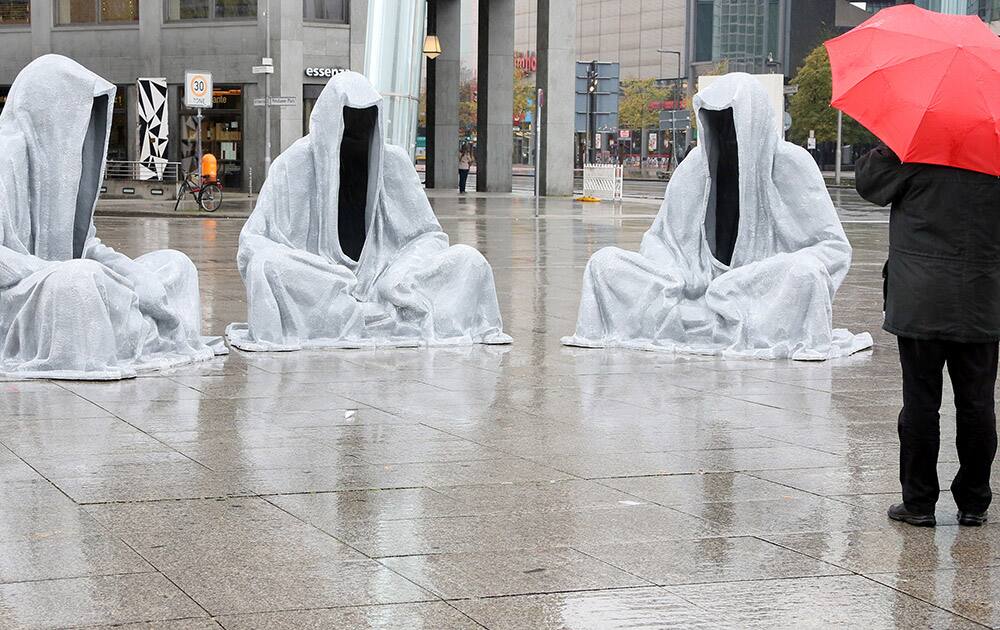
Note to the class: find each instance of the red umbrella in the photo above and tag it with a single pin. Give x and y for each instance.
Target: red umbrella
(927, 84)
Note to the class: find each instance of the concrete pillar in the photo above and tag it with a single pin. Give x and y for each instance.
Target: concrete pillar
(556, 76)
(495, 111)
(42, 19)
(150, 57)
(358, 18)
(132, 116)
(287, 51)
(150, 35)
(444, 18)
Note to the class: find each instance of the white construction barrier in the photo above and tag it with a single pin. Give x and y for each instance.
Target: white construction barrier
(603, 180)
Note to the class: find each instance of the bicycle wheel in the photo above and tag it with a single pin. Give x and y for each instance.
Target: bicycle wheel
(210, 197)
(181, 191)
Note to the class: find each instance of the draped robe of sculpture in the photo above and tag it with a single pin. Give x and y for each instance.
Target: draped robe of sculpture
(343, 248)
(744, 257)
(70, 306)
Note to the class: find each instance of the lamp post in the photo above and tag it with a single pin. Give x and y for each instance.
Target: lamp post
(771, 63)
(267, 90)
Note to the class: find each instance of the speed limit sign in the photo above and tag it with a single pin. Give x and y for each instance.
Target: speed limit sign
(197, 89)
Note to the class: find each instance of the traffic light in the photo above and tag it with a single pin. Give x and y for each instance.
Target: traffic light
(592, 81)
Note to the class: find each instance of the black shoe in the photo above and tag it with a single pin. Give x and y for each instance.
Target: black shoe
(971, 519)
(899, 512)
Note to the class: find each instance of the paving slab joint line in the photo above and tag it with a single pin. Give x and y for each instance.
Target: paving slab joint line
(102, 625)
(750, 473)
(463, 613)
(146, 433)
(64, 578)
(866, 577)
(929, 603)
(543, 593)
(332, 536)
(240, 495)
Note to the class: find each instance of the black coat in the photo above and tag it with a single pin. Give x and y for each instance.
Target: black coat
(942, 280)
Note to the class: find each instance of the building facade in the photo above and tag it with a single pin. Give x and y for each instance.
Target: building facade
(762, 36)
(629, 32)
(123, 40)
(988, 10)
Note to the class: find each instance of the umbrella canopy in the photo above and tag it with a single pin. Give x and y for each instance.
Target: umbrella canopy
(926, 83)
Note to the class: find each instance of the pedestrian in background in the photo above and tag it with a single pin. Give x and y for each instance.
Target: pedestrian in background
(942, 301)
(465, 162)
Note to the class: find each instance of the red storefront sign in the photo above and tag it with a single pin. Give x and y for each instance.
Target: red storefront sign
(526, 61)
(658, 105)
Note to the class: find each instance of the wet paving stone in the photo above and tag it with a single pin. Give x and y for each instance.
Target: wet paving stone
(529, 486)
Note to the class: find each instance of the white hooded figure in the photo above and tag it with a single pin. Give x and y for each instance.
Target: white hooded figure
(744, 257)
(71, 307)
(343, 249)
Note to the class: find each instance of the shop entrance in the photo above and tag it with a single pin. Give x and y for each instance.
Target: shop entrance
(221, 134)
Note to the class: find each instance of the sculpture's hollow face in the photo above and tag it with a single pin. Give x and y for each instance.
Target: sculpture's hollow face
(355, 167)
(92, 161)
(346, 142)
(62, 113)
(722, 215)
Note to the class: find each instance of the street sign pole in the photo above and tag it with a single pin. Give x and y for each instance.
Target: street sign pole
(267, 91)
(840, 134)
(538, 143)
(198, 144)
(198, 91)
(673, 139)
(592, 112)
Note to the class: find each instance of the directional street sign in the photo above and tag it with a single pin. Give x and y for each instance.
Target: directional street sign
(674, 119)
(276, 101)
(262, 69)
(601, 105)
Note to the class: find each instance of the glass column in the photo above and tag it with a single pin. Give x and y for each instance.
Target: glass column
(393, 61)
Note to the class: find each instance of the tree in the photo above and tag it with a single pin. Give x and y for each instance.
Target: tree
(810, 106)
(467, 105)
(633, 108)
(524, 90)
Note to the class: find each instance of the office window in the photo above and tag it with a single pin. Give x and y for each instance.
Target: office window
(210, 9)
(96, 11)
(188, 9)
(235, 8)
(326, 10)
(15, 12)
(704, 20)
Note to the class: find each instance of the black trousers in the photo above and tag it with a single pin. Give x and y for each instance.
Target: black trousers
(463, 176)
(973, 371)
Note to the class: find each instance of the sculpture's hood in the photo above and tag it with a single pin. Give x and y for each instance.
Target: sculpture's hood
(58, 114)
(738, 138)
(346, 139)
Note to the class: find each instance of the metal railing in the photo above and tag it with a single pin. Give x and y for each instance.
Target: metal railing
(133, 170)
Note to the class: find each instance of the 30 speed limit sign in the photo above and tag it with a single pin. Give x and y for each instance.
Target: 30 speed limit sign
(197, 89)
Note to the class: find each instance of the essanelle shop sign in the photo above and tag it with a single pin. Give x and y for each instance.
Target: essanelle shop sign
(323, 73)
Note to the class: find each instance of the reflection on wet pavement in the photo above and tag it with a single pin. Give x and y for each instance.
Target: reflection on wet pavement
(530, 486)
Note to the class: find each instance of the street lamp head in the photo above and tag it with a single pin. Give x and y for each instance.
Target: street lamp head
(432, 46)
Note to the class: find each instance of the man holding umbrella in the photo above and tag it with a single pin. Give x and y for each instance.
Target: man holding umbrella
(929, 86)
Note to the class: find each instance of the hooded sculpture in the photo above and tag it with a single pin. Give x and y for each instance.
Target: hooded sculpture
(343, 249)
(71, 307)
(744, 257)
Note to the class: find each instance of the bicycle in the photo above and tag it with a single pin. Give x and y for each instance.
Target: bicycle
(208, 195)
